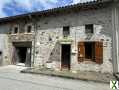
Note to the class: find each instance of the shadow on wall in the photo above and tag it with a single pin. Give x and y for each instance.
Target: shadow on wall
(55, 53)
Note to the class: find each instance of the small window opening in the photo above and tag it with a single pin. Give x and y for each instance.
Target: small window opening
(29, 28)
(15, 30)
(0, 53)
(50, 39)
(66, 31)
(89, 29)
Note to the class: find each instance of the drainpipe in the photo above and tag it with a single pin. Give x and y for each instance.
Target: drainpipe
(117, 35)
(115, 39)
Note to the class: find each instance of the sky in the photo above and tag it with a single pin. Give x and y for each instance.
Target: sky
(17, 7)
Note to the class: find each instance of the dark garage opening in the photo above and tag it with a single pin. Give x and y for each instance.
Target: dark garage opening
(65, 59)
(21, 51)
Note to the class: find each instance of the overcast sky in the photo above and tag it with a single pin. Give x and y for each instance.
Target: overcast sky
(16, 7)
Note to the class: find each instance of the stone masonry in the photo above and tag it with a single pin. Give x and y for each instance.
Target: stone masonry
(48, 47)
(47, 37)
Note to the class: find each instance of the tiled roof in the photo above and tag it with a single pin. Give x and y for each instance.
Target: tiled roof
(81, 6)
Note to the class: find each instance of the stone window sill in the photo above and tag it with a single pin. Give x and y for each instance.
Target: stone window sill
(28, 33)
(15, 34)
(88, 62)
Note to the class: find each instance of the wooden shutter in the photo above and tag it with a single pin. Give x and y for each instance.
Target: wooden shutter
(81, 51)
(99, 52)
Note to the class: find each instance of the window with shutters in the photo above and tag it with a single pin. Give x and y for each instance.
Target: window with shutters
(90, 51)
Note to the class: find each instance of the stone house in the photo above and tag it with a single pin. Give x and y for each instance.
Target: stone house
(80, 37)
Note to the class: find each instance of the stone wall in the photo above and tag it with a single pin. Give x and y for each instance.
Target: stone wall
(21, 37)
(49, 33)
(4, 45)
(7, 37)
(48, 49)
(107, 49)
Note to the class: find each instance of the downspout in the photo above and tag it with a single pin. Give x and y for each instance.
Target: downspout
(117, 36)
(114, 42)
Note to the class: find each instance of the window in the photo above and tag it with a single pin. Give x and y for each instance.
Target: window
(66, 31)
(15, 30)
(29, 28)
(90, 51)
(89, 29)
(0, 53)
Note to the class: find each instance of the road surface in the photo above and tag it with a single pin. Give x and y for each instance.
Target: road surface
(12, 79)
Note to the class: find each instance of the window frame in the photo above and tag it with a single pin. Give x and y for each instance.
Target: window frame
(26, 28)
(89, 27)
(98, 49)
(13, 29)
(66, 28)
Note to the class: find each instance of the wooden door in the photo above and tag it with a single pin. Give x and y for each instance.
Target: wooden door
(65, 59)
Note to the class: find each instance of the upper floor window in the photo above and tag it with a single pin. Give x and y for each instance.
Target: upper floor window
(66, 31)
(0, 53)
(15, 30)
(89, 29)
(29, 29)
